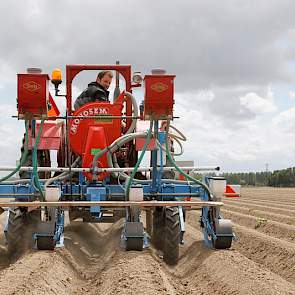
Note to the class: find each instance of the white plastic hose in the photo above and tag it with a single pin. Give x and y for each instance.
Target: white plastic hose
(135, 112)
(63, 175)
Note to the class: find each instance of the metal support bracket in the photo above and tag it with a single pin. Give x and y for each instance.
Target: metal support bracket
(96, 194)
(182, 224)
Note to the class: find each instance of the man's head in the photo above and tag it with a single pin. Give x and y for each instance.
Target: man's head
(104, 78)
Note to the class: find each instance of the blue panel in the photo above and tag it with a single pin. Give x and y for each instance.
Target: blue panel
(102, 191)
(115, 189)
(16, 189)
(96, 194)
(6, 189)
(162, 137)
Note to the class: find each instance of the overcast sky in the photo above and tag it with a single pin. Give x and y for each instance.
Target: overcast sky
(234, 63)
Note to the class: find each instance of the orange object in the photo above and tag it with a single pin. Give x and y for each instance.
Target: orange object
(232, 191)
(56, 75)
(54, 111)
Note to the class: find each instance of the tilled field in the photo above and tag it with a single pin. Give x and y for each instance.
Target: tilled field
(261, 261)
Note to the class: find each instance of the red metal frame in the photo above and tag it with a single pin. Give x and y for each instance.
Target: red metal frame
(32, 94)
(73, 70)
(158, 98)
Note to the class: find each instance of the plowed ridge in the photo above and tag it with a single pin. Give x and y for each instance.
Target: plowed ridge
(261, 261)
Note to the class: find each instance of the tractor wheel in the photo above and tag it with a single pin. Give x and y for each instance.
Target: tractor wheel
(158, 228)
(45, 243)
(19, 231)
(224, 234)
(172, 235)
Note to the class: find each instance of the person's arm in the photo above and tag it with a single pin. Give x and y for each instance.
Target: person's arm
(81, 100)
(98, 94)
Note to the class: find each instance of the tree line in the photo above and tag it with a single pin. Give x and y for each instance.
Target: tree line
(277, 178)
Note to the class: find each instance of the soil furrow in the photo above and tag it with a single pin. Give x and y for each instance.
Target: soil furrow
(281, 211)
(261, 261)
(262, 214)
(269, 227)
(277, 204)
(276, 255)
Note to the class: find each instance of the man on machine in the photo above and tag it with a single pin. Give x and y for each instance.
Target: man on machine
(96, 91)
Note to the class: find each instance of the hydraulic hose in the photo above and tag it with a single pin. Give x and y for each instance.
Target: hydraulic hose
(24, 156)
(181, 137)
(113, 163)
(35, 161)
(63, 175)
(135, 112)
(180, 170)
(20, 181)
(147, 142)
(129, 131)
(177, 137)
(177, 140)
(116, 145)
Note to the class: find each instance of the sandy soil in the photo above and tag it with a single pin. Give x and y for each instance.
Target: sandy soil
(261, 261)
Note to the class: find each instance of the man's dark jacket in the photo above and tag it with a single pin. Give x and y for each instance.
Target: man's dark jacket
(94, 92)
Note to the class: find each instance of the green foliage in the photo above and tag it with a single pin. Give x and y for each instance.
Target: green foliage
(260, 222)
(283, 178)
(278, 178)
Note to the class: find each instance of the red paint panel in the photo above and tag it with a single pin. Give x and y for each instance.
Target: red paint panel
(50, 138)
(232, 194)
(158, 101)
(79, 127)
(32, 94)
(139, 143)
(96, 139)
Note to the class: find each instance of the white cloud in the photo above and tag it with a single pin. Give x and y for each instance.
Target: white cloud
(205, 95)
(257, 104)
(11, 134)
(234, 147)
(292, 94)
(286, 120)
(225, 111)
(6, 111)
(210, 141)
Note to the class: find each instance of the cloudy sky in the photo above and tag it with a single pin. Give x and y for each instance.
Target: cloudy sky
(234, 63)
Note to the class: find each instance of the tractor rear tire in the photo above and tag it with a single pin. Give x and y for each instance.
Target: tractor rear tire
(14, 232)
(172, 236)
(19, 231)
(158, 228)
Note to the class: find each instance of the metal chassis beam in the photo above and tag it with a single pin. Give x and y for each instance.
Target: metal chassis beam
(142, 204)
(99, 170)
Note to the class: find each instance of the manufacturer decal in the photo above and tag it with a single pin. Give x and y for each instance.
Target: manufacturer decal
(94, 111)
(31, 86)
(159, 87)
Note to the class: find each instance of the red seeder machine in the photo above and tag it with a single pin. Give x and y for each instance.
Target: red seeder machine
(99, 177)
